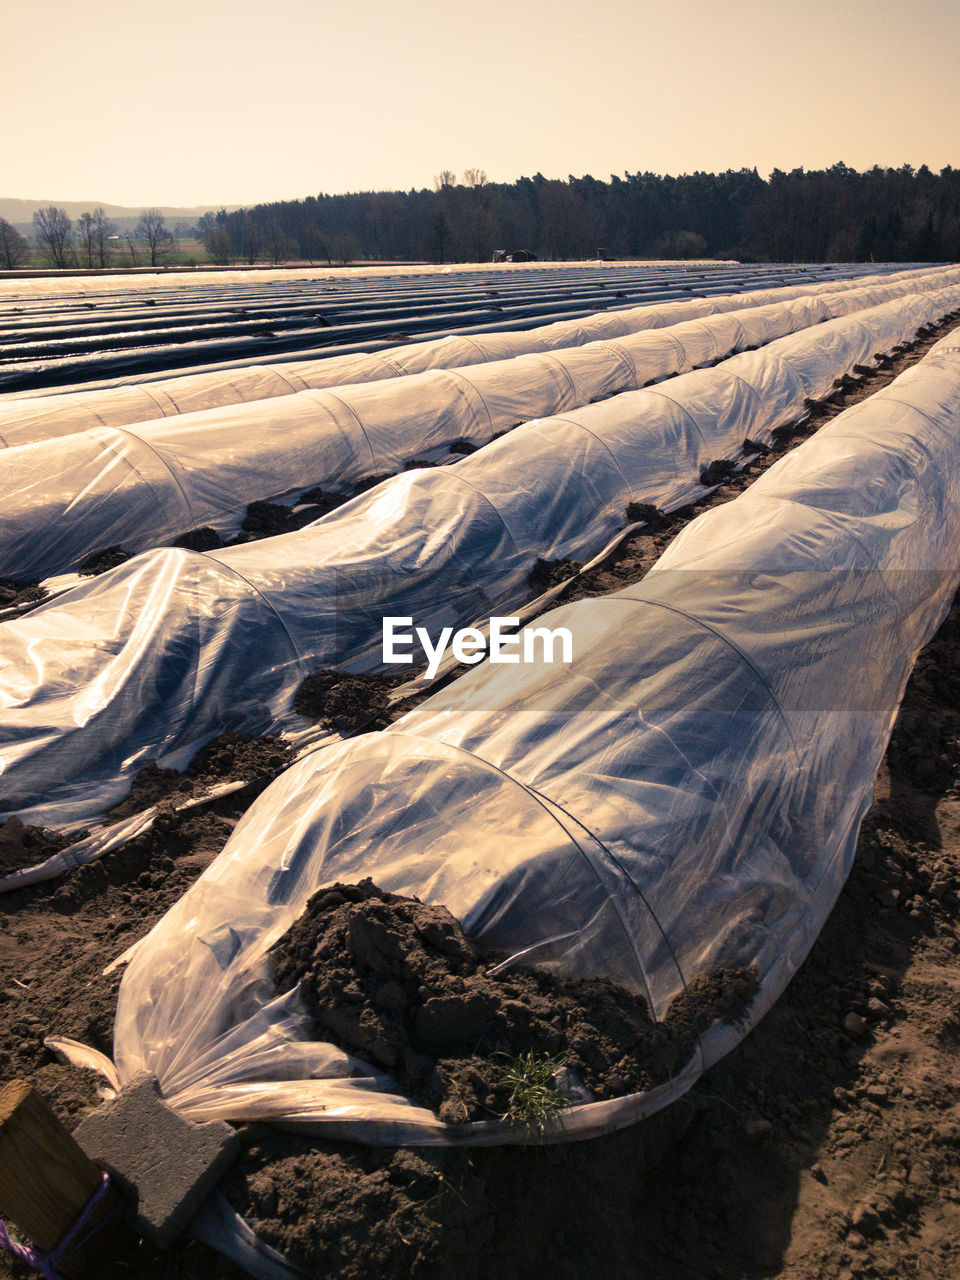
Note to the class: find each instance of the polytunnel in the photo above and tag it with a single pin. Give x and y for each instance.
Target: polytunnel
(686, 793)
(71, 497)
(348, 321)
(26, 419)
(154, 658)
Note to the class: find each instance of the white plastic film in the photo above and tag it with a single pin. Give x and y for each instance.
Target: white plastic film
(24, 419)
(155, 657)
(202, 469)
(686, 793)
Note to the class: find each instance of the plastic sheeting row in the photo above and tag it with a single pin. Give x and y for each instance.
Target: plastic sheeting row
(68, 498)
(159, 655)
(25, 420)
(686, 794)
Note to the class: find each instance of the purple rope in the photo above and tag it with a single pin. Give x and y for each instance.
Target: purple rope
(47, 1263)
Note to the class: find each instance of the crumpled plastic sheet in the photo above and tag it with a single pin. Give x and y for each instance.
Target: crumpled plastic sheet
(154, 658)
(68, 498)
(686, 793)
(24, 420)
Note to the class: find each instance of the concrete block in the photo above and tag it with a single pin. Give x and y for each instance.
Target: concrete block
(169, 1165)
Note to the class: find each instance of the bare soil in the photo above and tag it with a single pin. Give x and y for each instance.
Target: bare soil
(826, 1145)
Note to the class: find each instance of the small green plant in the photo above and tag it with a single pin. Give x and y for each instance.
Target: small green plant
(534, 1098)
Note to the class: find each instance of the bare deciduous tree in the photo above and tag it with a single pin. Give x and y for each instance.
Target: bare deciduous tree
(85, 232)
(279, 245)
(103, 229)
(345, 248)
(152, 231)
(316, 243)
(249, 235)
(445, 178)
(14, 247)
(53, 230)
(474, 178)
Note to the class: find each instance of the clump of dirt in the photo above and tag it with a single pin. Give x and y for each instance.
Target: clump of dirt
(399, 984)
(103, 561)
(324, 500)
(755, 446)
(371, 482)
(652, 516)
(550, 573)
(267, 519)
(203, 539)
(13, 592)
(717, 472)
(228, 757)
(24, 846)
(347, 703)
(342, 1210)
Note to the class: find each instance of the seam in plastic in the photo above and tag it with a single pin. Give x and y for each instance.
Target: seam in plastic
(686, 412)
(623, 355)
(749, 385)
(905, 404)
(452, 475)
(554, 359)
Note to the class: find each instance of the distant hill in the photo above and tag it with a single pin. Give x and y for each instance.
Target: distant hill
(20, 212)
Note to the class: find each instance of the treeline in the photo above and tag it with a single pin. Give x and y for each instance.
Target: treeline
(835, 214)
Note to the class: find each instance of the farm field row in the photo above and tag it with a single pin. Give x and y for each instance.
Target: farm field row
(47, 343)
(675, 810)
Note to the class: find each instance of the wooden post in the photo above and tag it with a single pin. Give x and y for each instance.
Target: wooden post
(46, 1181)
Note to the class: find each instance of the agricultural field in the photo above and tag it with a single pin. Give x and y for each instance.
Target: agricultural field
(492, 738)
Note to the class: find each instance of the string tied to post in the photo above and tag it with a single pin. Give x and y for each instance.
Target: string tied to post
(48, 1263)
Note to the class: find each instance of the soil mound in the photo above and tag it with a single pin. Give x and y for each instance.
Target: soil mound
(24, 846)
(550, 573)
(347, 703)
(102, 561)
(229, 757)
(399, 984)
(13, 592)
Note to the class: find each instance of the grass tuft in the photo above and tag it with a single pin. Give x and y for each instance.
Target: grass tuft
(534, 1098)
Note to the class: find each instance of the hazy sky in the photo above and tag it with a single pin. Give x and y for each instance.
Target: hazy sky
(234, 101)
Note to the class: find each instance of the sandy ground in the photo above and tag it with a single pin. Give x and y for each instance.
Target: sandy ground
(826, 1145)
